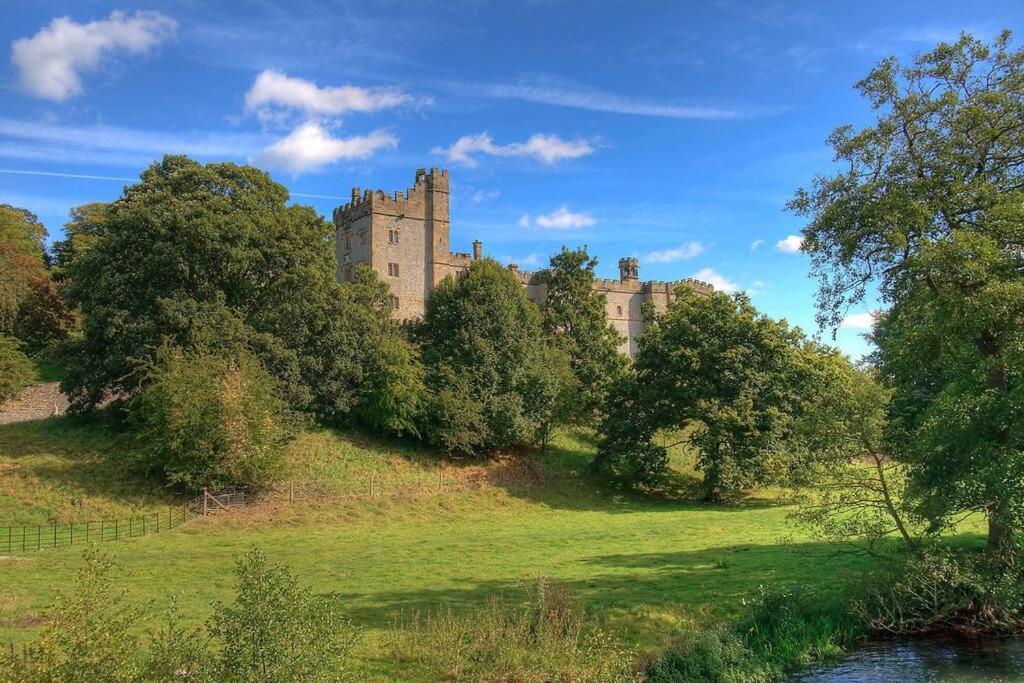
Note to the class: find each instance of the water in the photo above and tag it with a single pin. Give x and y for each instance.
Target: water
(910, 661)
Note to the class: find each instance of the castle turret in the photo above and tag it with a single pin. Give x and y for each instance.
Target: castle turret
(478, 250)
(629, 269)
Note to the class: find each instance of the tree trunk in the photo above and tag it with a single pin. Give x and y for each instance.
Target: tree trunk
(1000, 532)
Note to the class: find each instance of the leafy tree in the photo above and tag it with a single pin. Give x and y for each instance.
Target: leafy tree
(16, 371)
(849, 488)
(204, 419)
(929, 208)
(710, 365)
(192, 241)
(574, 315)
(486, 363)
(43, 317)
(22, 261)
(86, 226)
(276, 630)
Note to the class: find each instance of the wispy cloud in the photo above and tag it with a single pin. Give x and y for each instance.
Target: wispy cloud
(484, 196)
(683, 252)
(790, 245)
(549, 149)
(310, 147)
(755, 244)
(859, 321)
(559, 219)
(50, 63)
(560, 93)
(53, 174)
(274, 93)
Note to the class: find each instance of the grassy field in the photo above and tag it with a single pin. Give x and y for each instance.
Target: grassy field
(645, 566)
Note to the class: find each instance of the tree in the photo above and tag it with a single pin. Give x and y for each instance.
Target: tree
(16, 371)
(929, 208)
(574, 315)
(485, 357)
(191, 243)
(849, 488)
(712, 366)
(205, 419)
(87, 225)
(22, 261)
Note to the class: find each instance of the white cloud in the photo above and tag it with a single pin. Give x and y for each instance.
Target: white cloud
(310, 147)
(51, 62)
(755, 244)
(559, 219)
(549, 149)
(790, 245)
(482, 196)
(273, 91)
(858, 321)
(683, 252)
(716, 280)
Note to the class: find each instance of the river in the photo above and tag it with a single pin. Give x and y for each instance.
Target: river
(913, 660)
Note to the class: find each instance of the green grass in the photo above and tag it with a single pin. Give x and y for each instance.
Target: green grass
(644, 566)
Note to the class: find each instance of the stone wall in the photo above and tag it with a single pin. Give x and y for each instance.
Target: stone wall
(36, 402)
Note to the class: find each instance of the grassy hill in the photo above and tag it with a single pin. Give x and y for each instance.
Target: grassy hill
(646, 567)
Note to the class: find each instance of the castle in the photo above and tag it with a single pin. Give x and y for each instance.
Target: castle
(405, 238)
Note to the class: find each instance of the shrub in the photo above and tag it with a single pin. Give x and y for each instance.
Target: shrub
(545, 637)
(944, 589)
(90, 637)
(277, 631)
(712, 654)
(207, 419)
(16, 370)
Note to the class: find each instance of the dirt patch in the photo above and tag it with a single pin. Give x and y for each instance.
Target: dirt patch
(28, 621)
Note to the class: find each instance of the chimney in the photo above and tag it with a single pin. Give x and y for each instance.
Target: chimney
(478, 250)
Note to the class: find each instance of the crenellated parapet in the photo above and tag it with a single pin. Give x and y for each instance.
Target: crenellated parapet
(365, 202)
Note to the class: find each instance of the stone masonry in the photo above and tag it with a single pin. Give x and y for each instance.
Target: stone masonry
(405, 238)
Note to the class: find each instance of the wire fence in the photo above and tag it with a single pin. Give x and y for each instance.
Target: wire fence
(24, 538)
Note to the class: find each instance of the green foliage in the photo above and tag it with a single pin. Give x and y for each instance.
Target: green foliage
(43, 317)
(488, 370)
(948, 590)
(22, 261)
(714, 653)
(184, 242)
(86, 226)
(207, 420)
(929, 209)
(575, 316)
(16, 371)
(713, 365)
(276, 630)
(546, 637)
(90, 637)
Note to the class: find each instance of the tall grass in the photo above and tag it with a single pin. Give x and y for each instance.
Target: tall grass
(544, 637)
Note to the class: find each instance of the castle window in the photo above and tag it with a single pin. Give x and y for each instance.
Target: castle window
(348, 243)
(619, 309)
(392, 237)
(362, 237)
(393, 269)
(394, 303)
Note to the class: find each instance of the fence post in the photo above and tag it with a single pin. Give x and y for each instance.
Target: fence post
(87, 531)
(143, 525)
(205, 494)
(371, 485)
(440, 479)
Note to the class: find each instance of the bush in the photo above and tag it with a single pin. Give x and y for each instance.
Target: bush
(16, 371)
(91, 637)
(544, 638)
(208, 420)
(278, 631)
(712, 654)
(944, 589)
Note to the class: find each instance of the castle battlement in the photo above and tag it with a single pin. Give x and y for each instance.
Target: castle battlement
(404, 236)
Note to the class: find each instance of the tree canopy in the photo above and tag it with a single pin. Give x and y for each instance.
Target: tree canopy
(929, 208)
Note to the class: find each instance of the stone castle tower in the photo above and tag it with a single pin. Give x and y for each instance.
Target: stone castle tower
(405, 238)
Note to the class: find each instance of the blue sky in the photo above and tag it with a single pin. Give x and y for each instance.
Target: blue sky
(674, 132)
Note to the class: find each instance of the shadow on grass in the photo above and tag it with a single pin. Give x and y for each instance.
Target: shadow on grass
(717, 578)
